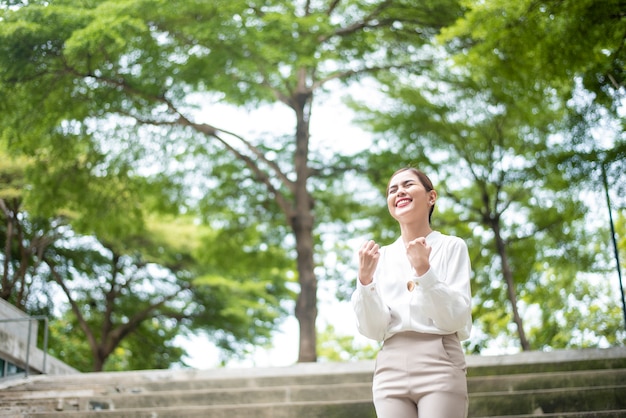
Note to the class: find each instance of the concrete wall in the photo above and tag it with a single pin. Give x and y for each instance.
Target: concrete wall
(19, 328)
(14, 344)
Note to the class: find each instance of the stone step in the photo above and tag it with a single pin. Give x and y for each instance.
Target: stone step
(164, 380)
(57, 388)
(136, 386)
(587, 383)
(525, 381)
(547, 401)
(7, 396)
(295, 410)
(200, 397)
(518, 402)
(617, 413)
(361, 409)
(551, 361)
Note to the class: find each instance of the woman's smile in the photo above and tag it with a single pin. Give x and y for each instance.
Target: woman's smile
(403, 201)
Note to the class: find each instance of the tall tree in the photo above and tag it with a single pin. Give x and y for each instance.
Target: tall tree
(569, 51)
(144, 66)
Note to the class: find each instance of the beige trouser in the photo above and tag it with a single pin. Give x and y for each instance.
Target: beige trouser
(421, 375)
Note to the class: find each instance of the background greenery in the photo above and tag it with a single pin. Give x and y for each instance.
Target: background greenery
(130, 216)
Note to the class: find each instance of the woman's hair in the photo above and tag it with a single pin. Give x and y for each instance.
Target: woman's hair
(423, 178)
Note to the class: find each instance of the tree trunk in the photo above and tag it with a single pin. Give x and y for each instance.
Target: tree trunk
(306, 305)
(510, 285)
(6, 289)
(98, 360)
(302, 224)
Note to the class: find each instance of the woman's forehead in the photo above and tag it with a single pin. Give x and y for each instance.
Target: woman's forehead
(402, 177)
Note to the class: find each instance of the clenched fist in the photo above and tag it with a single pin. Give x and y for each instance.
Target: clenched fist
(418, 252)
(368, 260)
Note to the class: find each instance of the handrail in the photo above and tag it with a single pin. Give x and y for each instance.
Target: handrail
(30, 320)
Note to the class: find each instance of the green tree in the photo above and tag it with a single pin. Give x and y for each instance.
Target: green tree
(340, 348)
(569, 54)
(24, 239)
(141, 286)
(554, 54)
(152, 339)
(111, 296)
(132, 73)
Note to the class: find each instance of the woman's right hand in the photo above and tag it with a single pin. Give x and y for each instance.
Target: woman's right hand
(368, 260)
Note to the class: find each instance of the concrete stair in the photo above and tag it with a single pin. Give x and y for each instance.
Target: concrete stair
(578, 383)
(302, 390)
(531, 394)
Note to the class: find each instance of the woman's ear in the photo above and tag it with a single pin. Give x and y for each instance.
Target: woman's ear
(432, 197)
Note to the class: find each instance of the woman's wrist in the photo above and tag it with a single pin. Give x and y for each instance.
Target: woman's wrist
(365, 282)
(421, 269)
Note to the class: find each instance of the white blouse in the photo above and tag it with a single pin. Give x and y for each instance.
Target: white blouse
(440, 302)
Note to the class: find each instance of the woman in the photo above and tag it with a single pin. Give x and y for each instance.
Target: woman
(415, 296)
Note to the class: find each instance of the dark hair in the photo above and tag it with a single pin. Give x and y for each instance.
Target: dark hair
(423, 178)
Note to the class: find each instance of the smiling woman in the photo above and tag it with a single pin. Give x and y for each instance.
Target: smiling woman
(415, 296)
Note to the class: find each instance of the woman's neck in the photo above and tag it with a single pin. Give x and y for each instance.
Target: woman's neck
(411, 231)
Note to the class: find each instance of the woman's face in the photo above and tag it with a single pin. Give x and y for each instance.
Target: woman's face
(408, 199)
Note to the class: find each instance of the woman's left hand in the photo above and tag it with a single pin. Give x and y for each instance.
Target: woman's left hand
(418, 252)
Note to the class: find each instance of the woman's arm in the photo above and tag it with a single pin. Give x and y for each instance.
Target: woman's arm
(447, 301)
(372, 315)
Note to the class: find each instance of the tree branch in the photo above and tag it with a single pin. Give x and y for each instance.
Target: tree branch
(356, 26)
(332, 6)
(262, 176)
(123, 330)
(211, 131)
(82, 323)
(349, 73)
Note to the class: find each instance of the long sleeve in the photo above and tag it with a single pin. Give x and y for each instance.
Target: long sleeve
(372, 315)
(446, 300)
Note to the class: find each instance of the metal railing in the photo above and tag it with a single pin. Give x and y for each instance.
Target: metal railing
(30, 320)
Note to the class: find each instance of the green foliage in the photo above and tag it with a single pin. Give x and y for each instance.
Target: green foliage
(134, 303)
(564, 55)
(493, 165)
(112, 292)
(121, 81)
(107, 116)
(152, 340)
(141, 58)
(543, 46)
(335, 348)
(69, 346)
(12, 177)
(244, 282)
